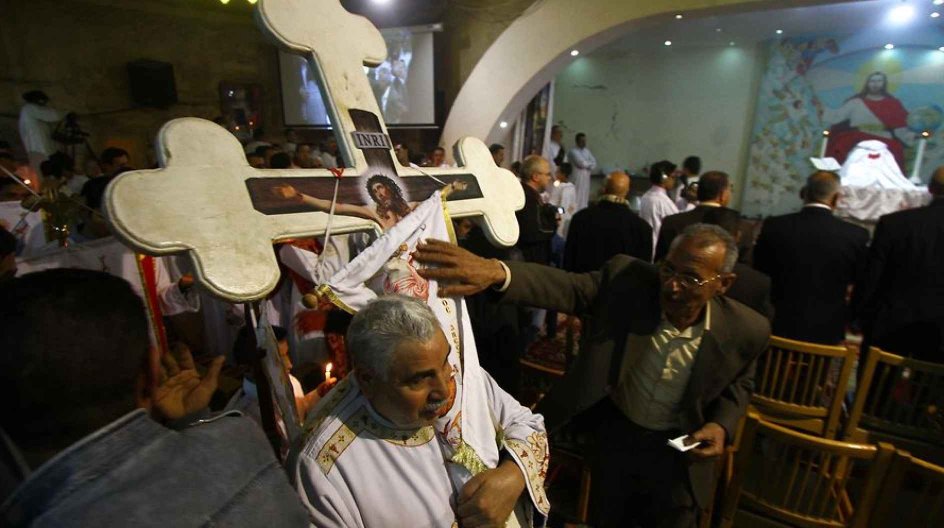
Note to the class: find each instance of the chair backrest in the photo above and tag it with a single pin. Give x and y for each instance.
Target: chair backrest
(899, 398)
(801, 385)
(917, 487)
(804, 480)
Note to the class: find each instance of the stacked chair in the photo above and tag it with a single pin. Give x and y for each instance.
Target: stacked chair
(800, 460)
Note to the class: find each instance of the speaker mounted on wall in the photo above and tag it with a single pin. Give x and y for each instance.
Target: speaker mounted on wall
(152, 83)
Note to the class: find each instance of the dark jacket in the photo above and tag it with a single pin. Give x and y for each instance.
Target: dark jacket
(752, 289)
(623, 297)
(536, 226)
(811, 258)
(904, 282)
(602, 231)
(672, 225)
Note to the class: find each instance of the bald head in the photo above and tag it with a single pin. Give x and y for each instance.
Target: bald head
(822, 187)
(936, 185)
(617, 183)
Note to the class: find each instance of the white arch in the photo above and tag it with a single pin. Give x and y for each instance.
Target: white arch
(537, 45)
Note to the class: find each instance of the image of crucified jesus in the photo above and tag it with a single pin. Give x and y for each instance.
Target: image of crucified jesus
(389, 205)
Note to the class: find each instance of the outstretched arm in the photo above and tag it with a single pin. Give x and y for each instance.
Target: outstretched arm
(289, 192)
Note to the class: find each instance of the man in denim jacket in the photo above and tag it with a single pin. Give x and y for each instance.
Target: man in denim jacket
(76, 409)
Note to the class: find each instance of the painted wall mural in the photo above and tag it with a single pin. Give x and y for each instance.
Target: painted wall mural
(852, 87)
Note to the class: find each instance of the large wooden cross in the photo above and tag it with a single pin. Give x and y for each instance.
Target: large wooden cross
(207, 201)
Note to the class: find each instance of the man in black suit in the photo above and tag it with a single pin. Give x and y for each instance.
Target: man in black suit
(536, 225)
(666, 354)
(812, 258)
(714, 194)
(902, 295)
(606, 229)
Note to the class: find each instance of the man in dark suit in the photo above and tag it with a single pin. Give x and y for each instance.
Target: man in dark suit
(606, 229)
(536, 225)
(902, 295)
(812, 258)
(666, 354)
(714, 194)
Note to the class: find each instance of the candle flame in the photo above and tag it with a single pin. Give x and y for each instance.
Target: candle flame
(328, 368)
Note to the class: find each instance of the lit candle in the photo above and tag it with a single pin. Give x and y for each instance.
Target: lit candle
(822, 148)
(328, 368)
(919, 157)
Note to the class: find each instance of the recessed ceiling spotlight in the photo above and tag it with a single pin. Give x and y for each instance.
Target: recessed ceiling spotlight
(381, 2)
(889, 46)
(503, 124)
(717, 30)
(941, 48)
(780, 32)
(938, 2)
(679, 17)
(935, 14)
(731, 43)
(668, 43)
(574, 53)
(901, 14)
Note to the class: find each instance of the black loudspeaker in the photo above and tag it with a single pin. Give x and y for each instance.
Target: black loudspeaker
(152, 83)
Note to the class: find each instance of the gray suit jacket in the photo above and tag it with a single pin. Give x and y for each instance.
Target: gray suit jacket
(623, 298)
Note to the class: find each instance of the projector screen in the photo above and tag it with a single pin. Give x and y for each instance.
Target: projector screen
(403, 84)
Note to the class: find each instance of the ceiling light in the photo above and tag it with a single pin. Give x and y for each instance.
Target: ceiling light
(731, 43)
(668, 43)
(253, 2)
(224, 2)
(574, 53)
(503, 124)
(941, 48)
(780, 32)
(678, 17)
(381, 2)
(901, 14)
(717, 30)
(935, 14)
(938, 2)
(889, 46)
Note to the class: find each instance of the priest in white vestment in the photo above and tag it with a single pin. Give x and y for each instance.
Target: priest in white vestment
(584, 164)
(656, 204)
(386, 447)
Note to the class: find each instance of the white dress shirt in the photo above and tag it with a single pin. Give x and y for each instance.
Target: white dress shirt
(584, 163)
(655, 373)
(654, 206)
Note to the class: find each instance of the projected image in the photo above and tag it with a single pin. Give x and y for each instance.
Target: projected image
(402, 84)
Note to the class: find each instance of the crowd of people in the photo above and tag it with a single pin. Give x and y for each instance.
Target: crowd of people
(116, 418)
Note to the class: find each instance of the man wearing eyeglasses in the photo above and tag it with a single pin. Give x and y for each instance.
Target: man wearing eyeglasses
(664, 354)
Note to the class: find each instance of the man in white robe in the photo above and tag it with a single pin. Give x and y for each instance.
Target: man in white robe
(554, 151)
(656, 204)
(386, 447)
(584, 164)
(35, 132)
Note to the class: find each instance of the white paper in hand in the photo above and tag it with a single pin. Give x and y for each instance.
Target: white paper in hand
(826, 164)
(679, 444)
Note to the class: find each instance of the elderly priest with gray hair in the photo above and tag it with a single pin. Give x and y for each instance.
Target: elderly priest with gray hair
(381, 448)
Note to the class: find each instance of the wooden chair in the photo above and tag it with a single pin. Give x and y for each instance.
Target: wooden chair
(785, 476)
(913, 494)
(900, 400)
(801, 385)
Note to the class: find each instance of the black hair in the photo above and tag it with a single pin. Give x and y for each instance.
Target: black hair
(244, 348)
(661, 170)
(711, 185)
(398, 204)
(566, 168)
(94, 190)
(73, 342)
(36, 97)
(110, 154)
(280, 160)
(495, 147)
(7, 242)
(692, 164)
(578, 136)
